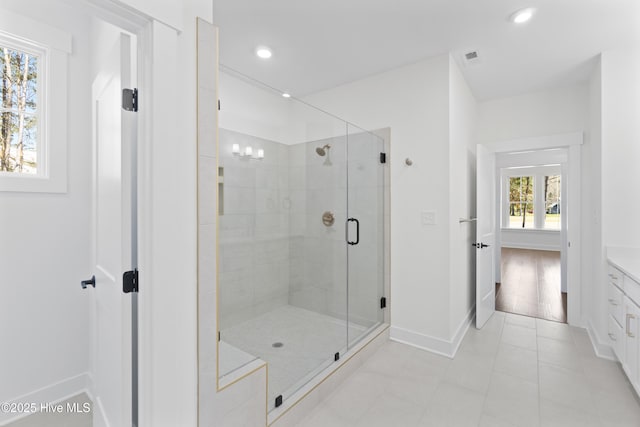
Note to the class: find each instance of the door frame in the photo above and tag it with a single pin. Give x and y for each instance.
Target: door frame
(128, 241)
(571, 239)
(167, 381)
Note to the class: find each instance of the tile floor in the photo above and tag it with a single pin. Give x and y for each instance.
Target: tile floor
(516, 371)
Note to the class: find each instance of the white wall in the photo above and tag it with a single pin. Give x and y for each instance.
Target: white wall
(169, 12)
(253, 109)
(620, 146)
(594, 292)
(463, 111)
(613, 167)
(414, 101)
(540, 114)
(44, 251)
(169, 369)
(546, 240)
(544, 113)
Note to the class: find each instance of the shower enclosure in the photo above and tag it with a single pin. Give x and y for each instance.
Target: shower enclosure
(301, 235)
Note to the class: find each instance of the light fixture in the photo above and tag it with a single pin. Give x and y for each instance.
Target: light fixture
(248, 152)
(523, 15)
(286, 95)
(263, 52)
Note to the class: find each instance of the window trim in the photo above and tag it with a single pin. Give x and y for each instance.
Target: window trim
(42, 54)
(537, 172)
(53, 47)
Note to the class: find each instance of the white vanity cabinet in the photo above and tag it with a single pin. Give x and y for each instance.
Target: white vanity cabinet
(623, 306)
(615, 304)
(631, 358)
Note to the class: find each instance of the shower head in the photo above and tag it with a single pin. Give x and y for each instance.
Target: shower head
(322, 151)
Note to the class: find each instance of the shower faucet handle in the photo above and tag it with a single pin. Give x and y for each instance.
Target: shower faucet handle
(328, 218)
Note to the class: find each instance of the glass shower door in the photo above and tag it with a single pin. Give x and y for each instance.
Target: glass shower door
(318, 254)
(365, 232)
(282, 256)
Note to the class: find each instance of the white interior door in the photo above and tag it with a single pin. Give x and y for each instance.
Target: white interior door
(111, 358)
(485, 235)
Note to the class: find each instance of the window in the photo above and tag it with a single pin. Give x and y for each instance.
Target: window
(531, 197)
(521, 206)
(34, 60)
(552, 201)
(19, 110)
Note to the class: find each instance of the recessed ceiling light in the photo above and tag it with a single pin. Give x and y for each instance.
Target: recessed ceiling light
(263, 52)
(522, 15)
(286, 95)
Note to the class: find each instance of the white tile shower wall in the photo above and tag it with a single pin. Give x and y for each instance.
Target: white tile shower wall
(254, 229)
(274, 248)
(318, 269)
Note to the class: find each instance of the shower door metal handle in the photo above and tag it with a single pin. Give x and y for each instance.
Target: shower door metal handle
(357, 231)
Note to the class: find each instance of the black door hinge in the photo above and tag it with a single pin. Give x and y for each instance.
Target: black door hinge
(383, 302)
(278, 401)
(130, 281)
(130, 99)
(383, 157)
(218, 105)
(336, 357)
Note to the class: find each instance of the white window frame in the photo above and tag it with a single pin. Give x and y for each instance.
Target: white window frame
(52, 46)
(539, 212)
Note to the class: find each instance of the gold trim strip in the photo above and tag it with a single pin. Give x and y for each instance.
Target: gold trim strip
(253, 371)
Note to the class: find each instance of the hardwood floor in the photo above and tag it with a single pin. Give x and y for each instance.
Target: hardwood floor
(531, 284)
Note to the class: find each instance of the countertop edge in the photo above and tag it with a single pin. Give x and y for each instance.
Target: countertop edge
(626, 260)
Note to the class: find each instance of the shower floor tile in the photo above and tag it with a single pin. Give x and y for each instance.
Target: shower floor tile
(309, 341)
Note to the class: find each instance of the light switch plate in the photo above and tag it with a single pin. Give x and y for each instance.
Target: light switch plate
(429, 218)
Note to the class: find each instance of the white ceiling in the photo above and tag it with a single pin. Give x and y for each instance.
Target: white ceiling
(319, 44)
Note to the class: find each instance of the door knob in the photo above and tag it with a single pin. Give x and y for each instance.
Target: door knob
(480, 245)
(86, 283)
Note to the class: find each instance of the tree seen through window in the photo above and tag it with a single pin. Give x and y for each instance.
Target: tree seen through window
(521, 208)
(18, 111)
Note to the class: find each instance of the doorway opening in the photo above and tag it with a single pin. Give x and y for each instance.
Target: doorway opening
(532, 224)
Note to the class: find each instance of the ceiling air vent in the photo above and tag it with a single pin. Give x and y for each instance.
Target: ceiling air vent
(472, 58)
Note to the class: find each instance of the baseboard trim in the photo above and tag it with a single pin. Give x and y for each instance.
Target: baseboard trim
(443, 347)
(530, 246)
(53, 393)
(604, 351)
(463, 328)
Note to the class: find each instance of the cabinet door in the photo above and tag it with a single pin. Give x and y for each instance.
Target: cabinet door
(632, 321)
(615, 303)
(615, 276)
(616, 337)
